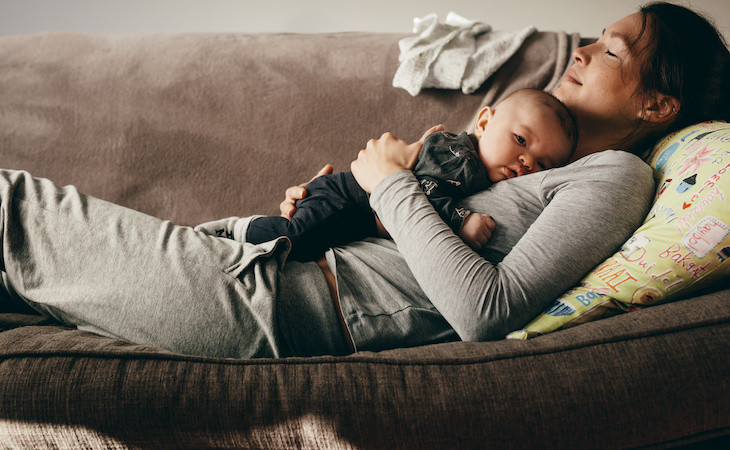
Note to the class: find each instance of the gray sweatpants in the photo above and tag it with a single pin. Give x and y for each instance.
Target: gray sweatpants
(121, 273)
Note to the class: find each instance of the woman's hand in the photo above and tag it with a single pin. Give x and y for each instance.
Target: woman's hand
(295, 193)
(384, 156)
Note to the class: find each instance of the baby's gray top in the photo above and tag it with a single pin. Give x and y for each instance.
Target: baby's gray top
(427, 286)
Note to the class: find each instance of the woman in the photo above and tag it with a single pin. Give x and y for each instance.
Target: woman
(135, 277)
(626, 90)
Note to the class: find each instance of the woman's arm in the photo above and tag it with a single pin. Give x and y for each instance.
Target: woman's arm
(404, 158)
(590, 208)
(384, 156)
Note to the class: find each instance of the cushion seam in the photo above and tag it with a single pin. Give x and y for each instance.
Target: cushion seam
(365, 359)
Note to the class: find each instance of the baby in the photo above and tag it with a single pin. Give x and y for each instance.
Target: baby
(528, 131)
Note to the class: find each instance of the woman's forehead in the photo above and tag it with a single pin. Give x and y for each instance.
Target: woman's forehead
(628, 29)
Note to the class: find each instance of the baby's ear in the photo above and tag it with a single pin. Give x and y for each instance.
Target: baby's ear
(484, 116)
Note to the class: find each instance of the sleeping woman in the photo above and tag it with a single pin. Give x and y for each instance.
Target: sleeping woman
(121, 273)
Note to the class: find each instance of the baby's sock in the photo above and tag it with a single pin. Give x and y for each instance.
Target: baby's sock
(229, 228)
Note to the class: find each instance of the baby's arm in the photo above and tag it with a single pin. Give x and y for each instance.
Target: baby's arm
(449, 169)
(476, 230)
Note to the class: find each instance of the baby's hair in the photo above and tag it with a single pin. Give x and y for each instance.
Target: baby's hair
(565, 117)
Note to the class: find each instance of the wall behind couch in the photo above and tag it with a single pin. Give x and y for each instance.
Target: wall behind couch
(587, 17)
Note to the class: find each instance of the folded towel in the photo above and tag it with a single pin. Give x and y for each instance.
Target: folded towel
(456, 54)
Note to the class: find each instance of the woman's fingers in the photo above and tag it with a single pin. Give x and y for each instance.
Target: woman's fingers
(386, 155)
(294, 193)
(380, 157)
(432, 130)
(326, 170)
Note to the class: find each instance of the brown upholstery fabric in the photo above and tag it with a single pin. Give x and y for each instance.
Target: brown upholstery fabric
(652, 376)
(194, 127)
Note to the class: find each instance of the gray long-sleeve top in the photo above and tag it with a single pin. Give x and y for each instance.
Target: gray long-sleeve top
(427, 286)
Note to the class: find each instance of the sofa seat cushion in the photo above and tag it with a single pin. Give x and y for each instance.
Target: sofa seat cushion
(63, 385)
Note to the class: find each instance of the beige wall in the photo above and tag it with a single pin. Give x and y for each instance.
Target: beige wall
(587, 17)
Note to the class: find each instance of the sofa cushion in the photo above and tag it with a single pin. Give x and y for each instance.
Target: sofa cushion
(683, 245)
(61, 387)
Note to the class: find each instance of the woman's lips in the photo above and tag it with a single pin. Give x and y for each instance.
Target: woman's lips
(571, 78)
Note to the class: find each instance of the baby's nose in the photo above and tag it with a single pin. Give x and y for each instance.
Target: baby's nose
(526, 163)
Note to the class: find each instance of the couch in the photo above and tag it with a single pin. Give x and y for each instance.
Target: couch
(194, 127)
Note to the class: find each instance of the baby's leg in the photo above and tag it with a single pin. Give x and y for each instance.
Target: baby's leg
(336, 211)
(310, 239)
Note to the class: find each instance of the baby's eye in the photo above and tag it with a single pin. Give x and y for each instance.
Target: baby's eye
(520, 139)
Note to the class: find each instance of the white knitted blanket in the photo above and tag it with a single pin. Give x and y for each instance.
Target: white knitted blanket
(456, 54)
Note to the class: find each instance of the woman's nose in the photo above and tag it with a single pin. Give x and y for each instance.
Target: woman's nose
(581, 55)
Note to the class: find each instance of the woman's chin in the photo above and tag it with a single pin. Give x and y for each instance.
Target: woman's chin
(561, 92)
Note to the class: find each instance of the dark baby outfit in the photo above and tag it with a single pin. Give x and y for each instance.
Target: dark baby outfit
(337, 211)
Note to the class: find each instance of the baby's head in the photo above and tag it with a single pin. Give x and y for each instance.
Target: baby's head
(528, 131)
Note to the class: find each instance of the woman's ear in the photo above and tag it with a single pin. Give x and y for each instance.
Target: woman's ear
(484, 116)
(660, 108)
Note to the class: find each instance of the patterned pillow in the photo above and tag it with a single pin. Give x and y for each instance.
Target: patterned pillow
(683, 245)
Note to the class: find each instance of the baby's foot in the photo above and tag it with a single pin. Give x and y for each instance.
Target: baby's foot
(230, 228)
(222, 228)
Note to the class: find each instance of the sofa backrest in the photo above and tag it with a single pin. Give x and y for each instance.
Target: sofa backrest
(192, 127)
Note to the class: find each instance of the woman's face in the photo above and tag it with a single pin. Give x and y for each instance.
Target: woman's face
(599, 88)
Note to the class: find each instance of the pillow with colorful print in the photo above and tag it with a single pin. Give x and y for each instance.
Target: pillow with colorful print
(683, 245)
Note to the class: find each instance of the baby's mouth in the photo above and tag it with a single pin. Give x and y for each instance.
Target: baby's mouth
(510, 173)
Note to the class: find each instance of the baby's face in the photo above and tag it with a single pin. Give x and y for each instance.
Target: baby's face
(518, 139)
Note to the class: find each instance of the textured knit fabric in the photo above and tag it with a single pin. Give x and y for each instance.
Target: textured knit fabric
(459, 53)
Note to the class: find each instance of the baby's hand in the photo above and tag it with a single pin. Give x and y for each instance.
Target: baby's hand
(476, 230)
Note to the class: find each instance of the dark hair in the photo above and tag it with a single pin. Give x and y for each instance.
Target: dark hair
(687, 58)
